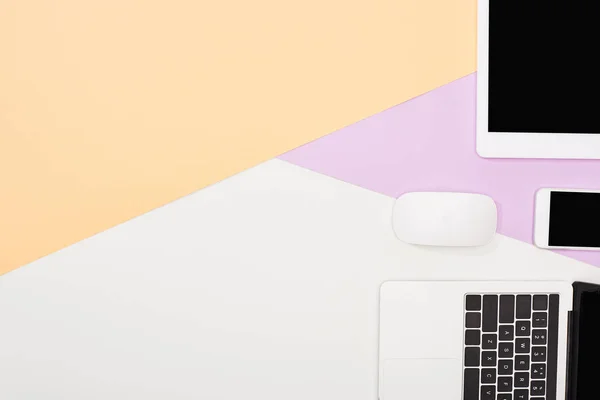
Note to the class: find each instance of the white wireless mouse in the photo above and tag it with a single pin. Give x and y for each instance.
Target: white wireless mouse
(445, 218)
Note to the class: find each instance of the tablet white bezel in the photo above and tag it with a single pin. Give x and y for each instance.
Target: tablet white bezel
(519, 144)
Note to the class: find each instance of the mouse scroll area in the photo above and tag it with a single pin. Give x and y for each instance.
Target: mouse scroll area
(421, 379)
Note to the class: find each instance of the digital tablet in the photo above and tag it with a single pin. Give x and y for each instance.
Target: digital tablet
(538, 79)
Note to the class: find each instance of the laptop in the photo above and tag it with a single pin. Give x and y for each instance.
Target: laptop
(493, 340)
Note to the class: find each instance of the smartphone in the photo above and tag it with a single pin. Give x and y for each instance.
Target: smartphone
(567, 219)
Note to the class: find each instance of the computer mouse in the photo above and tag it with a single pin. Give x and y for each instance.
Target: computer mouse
(445, 218)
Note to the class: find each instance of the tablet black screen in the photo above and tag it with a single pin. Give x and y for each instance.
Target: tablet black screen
(544, 66)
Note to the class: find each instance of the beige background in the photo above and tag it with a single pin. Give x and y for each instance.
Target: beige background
(111, 108)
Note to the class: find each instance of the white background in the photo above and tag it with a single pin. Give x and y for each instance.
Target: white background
(263, 286)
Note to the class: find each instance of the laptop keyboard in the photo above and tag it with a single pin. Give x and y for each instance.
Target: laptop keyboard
(511, 344)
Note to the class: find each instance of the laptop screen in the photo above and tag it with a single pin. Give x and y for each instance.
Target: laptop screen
(544, 71)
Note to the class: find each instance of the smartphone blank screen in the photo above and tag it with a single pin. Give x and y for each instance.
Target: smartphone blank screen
(544, 68)
(574, 219)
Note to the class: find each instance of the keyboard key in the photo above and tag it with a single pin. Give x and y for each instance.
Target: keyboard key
(521, 394)
(538, 353)
(505, 350)
(488, 392)
(538, 336)
(505, 367)
(538, 371)
(522, 379)
(471, 384)
(522, 345)
(471, 356)
(522, 363)
(506, 332)
(488, 375)
(539, 320)
(505, 384)
(504, 396)
(490, 313)
(488, 358)
(472, 337)
(538, 388)
(474, 302)
(524, 306)
(473, 320)
(507, 308)
(523, 328)
(540, 302)
(489, 341)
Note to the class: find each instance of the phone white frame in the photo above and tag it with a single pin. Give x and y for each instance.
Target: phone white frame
(542, 218)
(519, 144)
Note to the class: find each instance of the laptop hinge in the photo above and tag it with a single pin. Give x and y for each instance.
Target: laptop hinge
(571, 354)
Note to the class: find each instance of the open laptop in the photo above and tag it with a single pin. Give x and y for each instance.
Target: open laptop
(522, 340)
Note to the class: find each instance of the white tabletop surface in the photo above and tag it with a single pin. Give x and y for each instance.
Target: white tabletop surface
(264, 286)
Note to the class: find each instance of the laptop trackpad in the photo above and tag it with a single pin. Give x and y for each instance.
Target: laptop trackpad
(422, 379)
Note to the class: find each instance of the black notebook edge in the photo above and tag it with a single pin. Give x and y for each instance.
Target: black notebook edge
(573, 336)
